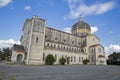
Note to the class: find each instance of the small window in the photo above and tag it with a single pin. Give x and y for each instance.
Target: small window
(74, 59)
(71, 58)
(101, 61)
(72, 48)
(64, 47)
(48, 45)
(64, 40)
(51, 45)
(58, 46)
(45, 37)
(82, 50)
(73, 42)
(79, 59)
(55, 38)
(36, 39)
(67, 48)
(43, 56)
(54, 46)
(85, 50)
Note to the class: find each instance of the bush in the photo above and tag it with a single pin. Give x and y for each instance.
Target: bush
(85, 61)
(50, 59)
(62, 61)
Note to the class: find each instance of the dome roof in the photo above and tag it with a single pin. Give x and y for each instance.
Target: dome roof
(81, 25)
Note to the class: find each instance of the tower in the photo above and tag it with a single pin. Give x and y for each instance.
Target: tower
(34, 42)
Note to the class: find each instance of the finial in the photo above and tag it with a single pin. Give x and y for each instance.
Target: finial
(80, 19)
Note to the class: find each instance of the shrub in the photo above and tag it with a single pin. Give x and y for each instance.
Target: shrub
(85, 61)
(50, 59)
(62, 61)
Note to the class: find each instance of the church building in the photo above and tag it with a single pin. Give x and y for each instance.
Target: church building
(39, 40)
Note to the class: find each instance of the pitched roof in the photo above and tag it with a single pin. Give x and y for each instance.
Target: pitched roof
(96, 45)
(101, 56)
(18, 48)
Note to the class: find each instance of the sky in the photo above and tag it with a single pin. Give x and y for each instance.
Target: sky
(102, 15)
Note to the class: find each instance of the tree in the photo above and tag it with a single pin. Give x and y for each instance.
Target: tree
(5, 53)
(85, 61)
(1, 55)
(62, 61)
(114, 58)
(50, 59)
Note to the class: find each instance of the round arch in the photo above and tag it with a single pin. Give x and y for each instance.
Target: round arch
(19, 58)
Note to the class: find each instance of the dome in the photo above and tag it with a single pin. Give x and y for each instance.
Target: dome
(81, 25)
(81, 28)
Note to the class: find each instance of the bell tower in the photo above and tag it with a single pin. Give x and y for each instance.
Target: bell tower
(36, 41)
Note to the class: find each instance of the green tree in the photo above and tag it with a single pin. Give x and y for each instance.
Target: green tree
(114, 58)
(85, 61)
(62, 61)
(50, 59)
(1, 55)
(6, 53)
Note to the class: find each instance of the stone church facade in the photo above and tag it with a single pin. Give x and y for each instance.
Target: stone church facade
(39, 40)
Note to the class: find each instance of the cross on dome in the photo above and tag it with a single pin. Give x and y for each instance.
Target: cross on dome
(80, 18)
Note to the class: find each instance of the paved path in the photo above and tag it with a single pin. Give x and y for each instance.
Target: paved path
(67, 72)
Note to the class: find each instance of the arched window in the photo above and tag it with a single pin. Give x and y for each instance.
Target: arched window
(67, 48)
(43, 56)
(79, 59)
(72, 48)
(36, 39)
(64, 47)
(54, 46)
(45, 37)
(55, 38)
(72, 42)
(48, 45)
(92, 51)
(51, 45)
(99, 50)
(71, 58)
(79, 44)
(64, 40)
(74, 59)
(58, 46)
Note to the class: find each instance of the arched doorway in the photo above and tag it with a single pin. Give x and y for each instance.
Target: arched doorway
(68, 60)
(19, 58)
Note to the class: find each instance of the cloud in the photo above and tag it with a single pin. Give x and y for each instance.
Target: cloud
(27, 8)
(112, 48)
(94, 29)
(67, 29)
(77, 7)
(4, 2)
(8, 43)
